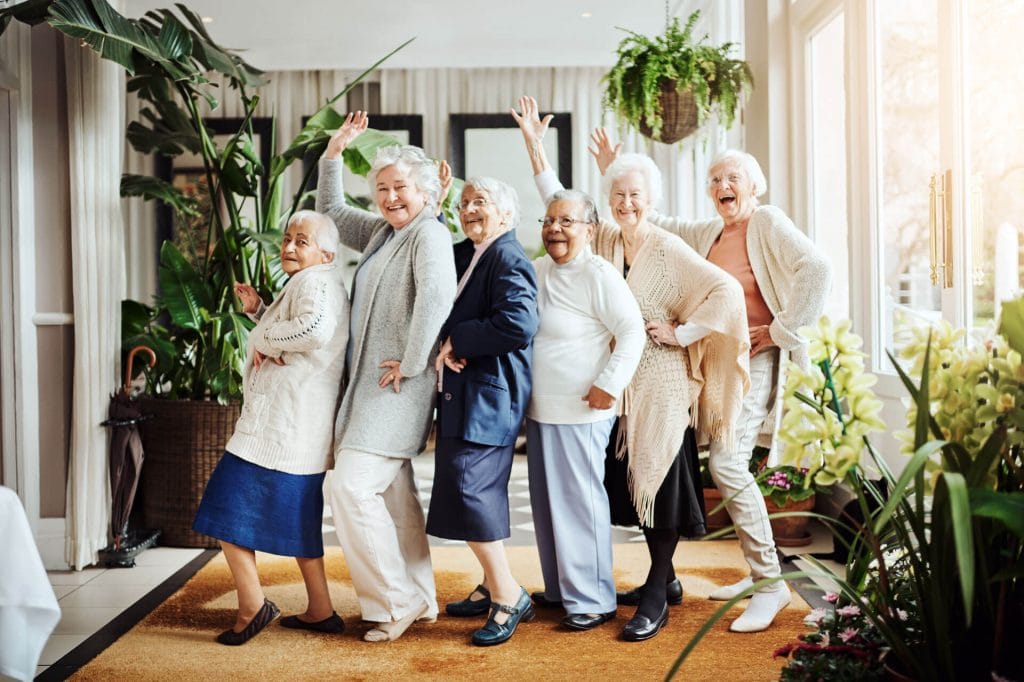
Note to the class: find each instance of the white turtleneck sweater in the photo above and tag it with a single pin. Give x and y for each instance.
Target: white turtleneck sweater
(584, 306)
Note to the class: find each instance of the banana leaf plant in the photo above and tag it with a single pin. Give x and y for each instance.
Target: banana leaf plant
(196, 326)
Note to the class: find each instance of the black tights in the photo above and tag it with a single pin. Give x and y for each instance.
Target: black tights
(661, 543)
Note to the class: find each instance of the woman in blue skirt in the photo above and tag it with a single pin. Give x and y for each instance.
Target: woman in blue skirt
(484, 370)
(266, 493)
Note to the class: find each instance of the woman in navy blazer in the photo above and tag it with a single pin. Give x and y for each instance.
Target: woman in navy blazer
(484, 385)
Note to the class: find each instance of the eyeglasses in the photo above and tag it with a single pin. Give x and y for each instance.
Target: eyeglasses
(479, 202)
(564, 221)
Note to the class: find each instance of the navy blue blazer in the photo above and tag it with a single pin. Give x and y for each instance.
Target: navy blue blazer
(491, 325)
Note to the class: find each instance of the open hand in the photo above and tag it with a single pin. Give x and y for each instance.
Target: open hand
(444, 174)
(663, 333)
(530, 122)
(760, 339)
(354, 125)
(393, 376)
(446, 358)
(602, 151)
(247, 295)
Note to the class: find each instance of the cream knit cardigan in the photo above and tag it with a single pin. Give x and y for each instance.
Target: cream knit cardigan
(794, 276)
(704, 382)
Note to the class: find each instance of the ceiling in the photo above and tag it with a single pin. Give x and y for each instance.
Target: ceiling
(342, 34)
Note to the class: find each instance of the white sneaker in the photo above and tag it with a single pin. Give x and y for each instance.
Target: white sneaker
(761, 611)
(729, 591)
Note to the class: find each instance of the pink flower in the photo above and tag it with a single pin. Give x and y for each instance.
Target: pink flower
(831, 597)
(848, 611)
(848, 634)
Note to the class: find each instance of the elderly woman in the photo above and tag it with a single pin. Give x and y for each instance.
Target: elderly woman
(403, 291)
(785, 280)
(484, 368)
(695, 361)
(266, 493)
(590, 341)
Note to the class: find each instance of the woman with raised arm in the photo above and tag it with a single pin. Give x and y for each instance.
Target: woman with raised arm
(402, 293)
(694, 365)
(785, 280)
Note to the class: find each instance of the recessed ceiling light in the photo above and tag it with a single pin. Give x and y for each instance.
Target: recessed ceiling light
(207, 20)
(587, 15)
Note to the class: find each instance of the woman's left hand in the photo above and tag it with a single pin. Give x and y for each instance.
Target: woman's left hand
(393, 376)
(760, 339)
(444, 174)
(446, 358)
(663, 333)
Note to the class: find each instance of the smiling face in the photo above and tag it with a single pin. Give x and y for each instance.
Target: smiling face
(731, 189)
(398, 197)
(564, 242)
(480, 217)
(629, 199)
(299, 247)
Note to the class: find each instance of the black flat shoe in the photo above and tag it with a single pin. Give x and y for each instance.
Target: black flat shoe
(470, 607)
(541, 600)
(332, 623)
(267, 613)
(641, 627)
(673, 590)
(496, 633)
(586, 621)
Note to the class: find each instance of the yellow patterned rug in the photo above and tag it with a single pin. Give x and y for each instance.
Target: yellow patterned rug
(176, 641)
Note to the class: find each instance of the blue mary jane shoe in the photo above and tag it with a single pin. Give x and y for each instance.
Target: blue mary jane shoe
(497, 633)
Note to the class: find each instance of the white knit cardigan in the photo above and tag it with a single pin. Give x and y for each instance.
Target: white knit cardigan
(794, 276)
(287, 420)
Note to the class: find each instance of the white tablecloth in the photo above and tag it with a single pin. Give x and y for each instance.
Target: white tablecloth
(28, 607)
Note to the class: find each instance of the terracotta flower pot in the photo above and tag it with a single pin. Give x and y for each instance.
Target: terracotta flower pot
(719, 519)
(790, 531)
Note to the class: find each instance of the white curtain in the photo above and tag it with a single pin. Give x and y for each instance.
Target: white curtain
(96, 107)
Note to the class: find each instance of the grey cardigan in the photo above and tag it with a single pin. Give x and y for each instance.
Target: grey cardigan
(412, 288)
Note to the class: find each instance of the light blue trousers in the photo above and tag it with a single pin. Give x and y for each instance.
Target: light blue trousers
(570, 513)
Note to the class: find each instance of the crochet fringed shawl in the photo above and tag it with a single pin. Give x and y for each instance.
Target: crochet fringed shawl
(704, 382)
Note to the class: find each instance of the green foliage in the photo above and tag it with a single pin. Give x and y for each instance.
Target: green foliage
(717, 81)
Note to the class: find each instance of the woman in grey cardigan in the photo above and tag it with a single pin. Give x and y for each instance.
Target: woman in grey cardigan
(403, 291)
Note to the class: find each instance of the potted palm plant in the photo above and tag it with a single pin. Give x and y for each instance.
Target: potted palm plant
(196, 326)
(666, 87)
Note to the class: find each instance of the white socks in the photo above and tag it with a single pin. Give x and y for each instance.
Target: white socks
(761, 611)
(729, 591)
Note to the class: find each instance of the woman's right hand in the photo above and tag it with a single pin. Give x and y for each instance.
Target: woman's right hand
(529, 120)
(249, 298)
(355, 123)
(602, 151)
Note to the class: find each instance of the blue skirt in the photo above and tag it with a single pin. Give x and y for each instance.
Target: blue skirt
(262, 509)
(469, 499)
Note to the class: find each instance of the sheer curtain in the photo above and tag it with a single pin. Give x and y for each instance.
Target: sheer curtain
(96, 107)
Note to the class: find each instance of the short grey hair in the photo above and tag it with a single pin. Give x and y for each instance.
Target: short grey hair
(326, 233)
(413, 162)
(504, 196)
(629, 163)
(582, 198)
(747, 163)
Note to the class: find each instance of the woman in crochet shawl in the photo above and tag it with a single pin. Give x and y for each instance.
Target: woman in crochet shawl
(693, 372)
(785, 280)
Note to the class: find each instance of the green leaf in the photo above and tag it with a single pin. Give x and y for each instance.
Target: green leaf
(963, 538)
(361, 152)
(31, 12)
(174, 39)
(214, 57)
(149, 187)
(915, 466)
(113, 36)
(1005, 507)
(182, 292)
(1011, 323)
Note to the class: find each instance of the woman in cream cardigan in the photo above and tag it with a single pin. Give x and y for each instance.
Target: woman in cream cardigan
(403, 291)
(694, 364)
(785, 280)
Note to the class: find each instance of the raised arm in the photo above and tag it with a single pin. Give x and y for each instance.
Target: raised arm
(355, 226)
(533, 128)
(312, 321)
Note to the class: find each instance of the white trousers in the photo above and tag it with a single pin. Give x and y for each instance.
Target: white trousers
(380, 525)
(731, 473)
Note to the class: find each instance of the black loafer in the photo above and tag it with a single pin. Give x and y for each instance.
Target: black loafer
(641, 627)
(332, 623)
(586, 621)
(263, 617)
(673, 590)
(541, 600)
(469, 607)
(496, 633)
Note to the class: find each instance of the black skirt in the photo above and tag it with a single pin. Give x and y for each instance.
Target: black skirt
(469, 497)
(679, 503)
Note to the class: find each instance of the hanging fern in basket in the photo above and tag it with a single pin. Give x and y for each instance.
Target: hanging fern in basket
(647, 67)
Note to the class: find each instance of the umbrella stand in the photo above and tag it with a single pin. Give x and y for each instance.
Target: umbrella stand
(126, 458)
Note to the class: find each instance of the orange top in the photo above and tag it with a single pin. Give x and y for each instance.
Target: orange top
(729, 252)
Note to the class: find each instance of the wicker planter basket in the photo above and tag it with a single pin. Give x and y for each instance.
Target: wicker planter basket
(183, 443)
(678, 115)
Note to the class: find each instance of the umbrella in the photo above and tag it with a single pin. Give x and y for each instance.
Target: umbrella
(125, 450)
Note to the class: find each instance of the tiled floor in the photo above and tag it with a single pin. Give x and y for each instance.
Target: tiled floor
(90, 599)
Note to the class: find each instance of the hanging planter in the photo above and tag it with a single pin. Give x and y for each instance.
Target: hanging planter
(666, 87)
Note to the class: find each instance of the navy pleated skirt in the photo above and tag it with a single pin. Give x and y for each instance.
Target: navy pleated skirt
(262, 509)
(469, 499)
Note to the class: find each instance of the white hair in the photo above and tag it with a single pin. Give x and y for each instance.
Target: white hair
(326, 231)
(413, 162)
(745, 162)
(629, 163)
(584, 200)
(501, 193)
